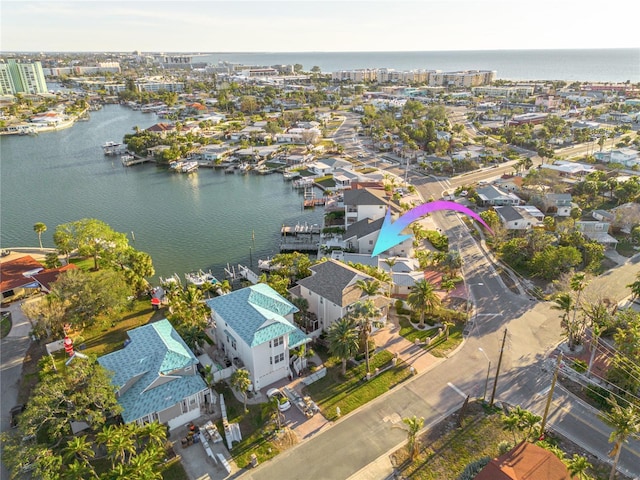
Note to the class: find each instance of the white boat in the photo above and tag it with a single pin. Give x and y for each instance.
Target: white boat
(199, 278)
(126, 159)
(169, 281)
(290, 175)
(189, 167)
(194, 278)
(176, 165)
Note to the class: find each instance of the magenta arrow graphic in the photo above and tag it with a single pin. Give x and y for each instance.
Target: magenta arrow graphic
(391, 233)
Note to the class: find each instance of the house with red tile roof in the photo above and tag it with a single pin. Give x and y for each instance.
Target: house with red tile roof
(525, 461)
(16, 276)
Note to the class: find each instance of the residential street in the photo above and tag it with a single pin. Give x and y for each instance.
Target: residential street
(359, 439)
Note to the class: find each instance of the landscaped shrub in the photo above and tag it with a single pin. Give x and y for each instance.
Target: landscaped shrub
(579, 366)
(471, 470)
(599, 395)
(440, 242)
(503, 447)
(400, 310)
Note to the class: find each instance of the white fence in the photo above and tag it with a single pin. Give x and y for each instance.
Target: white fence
(314, 377)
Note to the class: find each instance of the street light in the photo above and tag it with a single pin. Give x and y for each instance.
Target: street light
(486, 382)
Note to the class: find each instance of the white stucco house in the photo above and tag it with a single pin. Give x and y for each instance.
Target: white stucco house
(254, 326)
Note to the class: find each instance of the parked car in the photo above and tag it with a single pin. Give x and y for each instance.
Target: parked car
(283, 401)
(15, 413)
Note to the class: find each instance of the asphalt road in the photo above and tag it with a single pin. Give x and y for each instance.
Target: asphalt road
(533, 333)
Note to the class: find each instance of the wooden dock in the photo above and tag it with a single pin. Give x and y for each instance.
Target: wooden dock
(129, 162)
(315, 202)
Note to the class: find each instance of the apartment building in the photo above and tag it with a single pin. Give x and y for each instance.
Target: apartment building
(21, 78)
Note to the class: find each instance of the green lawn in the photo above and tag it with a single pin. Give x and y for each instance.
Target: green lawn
(106, 335)
(353, 391)
(82, 263)
(257, 433)
(5, 324)
(439, 347)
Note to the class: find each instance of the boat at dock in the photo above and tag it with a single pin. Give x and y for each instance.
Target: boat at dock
(290, 175)
(188, 167)
(303, 182)
(113, 148)
(168, 282)
(200, 278)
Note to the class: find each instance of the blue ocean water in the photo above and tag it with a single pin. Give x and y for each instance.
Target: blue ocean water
(596, 65)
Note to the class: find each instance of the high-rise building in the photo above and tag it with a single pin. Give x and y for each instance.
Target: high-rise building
(21, 78)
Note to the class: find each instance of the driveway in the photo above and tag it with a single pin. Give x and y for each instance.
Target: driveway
(12, 351)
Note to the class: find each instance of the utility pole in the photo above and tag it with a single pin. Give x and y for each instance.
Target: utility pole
(495, 382)
(550, 397)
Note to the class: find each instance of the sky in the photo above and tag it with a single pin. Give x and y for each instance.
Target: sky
(312, 25)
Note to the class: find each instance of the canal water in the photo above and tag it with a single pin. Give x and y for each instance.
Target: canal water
(186, 222)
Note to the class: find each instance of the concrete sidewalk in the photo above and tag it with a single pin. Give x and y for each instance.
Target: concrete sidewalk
(389, 339)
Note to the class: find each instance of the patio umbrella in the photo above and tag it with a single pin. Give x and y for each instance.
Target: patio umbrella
(155, 301)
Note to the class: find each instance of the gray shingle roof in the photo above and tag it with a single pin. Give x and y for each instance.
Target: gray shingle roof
(363, 228)
(155, 353)
(335, 282)
(509, 214)
(256, 313)
(363, 197)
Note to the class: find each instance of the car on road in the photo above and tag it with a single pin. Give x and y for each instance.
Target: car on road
(361, 155)
(283, 401)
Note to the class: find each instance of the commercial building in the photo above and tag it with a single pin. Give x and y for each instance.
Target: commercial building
(469, 78)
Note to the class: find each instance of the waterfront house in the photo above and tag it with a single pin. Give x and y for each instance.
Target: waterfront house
(156, 378)
(254, 327)
(361, 203)
(16, 276)
(162, 129)
(494, 196)
(331, 291)
(214, 153)
(361, 237)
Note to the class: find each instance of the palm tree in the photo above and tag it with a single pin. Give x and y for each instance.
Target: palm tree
(578, 466)
(414, 425)
(423, 298)
(369, 287)
(120, 444)
(625, 423)
(578, 283)
(564, 303)
(635, 288)
(343, 340)
(40, 228)
(79, 449)
(223, 287)
(510, 423)
(155, 432)
(78, 471)
(365, 315)
(240, 381)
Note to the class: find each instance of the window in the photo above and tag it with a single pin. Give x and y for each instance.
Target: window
(278, 358)
(278, 341)
(233, 344)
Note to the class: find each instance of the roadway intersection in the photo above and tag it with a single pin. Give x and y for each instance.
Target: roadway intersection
(534, 332)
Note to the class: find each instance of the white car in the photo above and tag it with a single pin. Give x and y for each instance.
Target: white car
(283, 401)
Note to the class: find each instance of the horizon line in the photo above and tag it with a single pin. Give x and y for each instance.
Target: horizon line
(268, 52)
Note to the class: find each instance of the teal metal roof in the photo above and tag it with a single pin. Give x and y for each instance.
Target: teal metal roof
(256, 313)
(155, 352)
